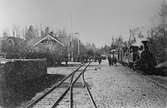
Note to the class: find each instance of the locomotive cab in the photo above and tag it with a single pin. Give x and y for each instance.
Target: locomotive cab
(147, 61)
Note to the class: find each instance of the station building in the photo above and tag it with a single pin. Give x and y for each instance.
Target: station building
(46, 44)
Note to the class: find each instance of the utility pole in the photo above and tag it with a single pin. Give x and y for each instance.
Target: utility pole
(130, 32)
(71, 53)
(78, 47)
(78, 43)
(72, 47)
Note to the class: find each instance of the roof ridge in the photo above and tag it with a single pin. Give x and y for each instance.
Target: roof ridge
(57, 40)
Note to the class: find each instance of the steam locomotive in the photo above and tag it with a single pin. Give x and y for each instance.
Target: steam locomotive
(137, 57)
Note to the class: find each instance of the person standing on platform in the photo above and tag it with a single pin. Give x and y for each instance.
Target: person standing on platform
(99, 59)
(109, 60)
(114, 59)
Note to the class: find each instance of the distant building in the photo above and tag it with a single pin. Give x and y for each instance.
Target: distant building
(14, 47)
(47, 43)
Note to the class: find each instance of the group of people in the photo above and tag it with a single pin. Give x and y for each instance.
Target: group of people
(98, 59)
(112, 60)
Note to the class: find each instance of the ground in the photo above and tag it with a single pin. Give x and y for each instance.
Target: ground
(111, 87)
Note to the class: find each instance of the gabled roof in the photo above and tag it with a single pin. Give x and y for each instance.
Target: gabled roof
(47, 36)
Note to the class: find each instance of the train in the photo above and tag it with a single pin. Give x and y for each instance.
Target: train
(137, 57)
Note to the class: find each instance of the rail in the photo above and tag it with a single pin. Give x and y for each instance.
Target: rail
(35, 101)
(69, 89)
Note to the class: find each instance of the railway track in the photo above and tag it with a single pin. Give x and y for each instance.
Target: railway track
(72, 81)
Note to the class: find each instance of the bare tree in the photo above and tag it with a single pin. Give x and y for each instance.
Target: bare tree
(30, 33)
(158, 34)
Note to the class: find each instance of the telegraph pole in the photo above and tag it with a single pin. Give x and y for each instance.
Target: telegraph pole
(78, 47)
(78, 44)
(71, 53)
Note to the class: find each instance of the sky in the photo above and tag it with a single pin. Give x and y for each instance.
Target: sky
(97, 21)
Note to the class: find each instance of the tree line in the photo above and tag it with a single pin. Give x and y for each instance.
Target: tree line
(73, 46)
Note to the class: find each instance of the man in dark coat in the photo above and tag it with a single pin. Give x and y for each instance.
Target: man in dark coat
(99, 59)
(114, 59)
(109, 60)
